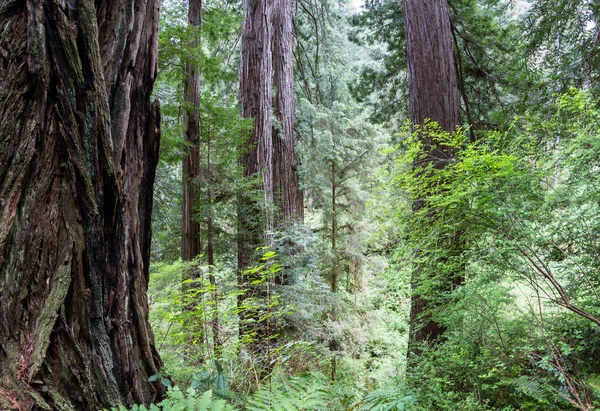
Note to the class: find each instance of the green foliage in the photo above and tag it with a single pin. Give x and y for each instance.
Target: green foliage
(184, 336)
(563, 36)
(214, 379)
(192, 401)
(495, 79)
(505, 234)
(526, 209)
(179, 401)
(382, 83)
(222, 130)
(261, 307)
(340, 147)
(296, 394)
(388, 399)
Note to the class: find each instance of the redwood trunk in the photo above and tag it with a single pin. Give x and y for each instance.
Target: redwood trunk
(289, 200)
(255, 214)
(78, 149)
(434, 95)
(256, 88)
(190, 227)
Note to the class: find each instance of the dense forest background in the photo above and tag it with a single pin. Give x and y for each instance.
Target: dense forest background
(384, 206)
(502, 233)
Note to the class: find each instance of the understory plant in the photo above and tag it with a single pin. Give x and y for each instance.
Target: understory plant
(525, 204)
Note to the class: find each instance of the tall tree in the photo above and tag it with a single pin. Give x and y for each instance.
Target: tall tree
(434, 95)
(256, 85)
(79, 138)
(255, 217)
(494, 79)
(289, 200)
(190, 227)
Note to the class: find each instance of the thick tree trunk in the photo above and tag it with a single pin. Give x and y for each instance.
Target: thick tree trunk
(256, 88)
(289, 199)
(433, 82)
(78, 150)
(434, 95)
(255, 216)
(190, 227)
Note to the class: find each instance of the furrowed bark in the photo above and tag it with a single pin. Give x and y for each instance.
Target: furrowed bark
(289, 199)
(79, 142)
(255, 217)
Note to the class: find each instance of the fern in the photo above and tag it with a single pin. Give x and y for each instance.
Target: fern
(391, 399)
(593, 383)
(531, 388)
(296, 394)
(178, 401)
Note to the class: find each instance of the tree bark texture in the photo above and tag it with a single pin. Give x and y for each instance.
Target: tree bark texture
(289, 199)
(255, 217)
(190, 227)
(256, 88)
(433, 82)
(434, 95)
(79, 142)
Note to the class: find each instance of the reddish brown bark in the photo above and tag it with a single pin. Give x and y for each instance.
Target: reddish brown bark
(255, 217)
(434, 95)
(266, 64)
(433, 82)
(190, 226)
(256, 87)
(289, 199)
(78, 148)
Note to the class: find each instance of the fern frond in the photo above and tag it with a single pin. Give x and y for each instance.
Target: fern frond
(190, 401)
(390, 399)
(296, 394)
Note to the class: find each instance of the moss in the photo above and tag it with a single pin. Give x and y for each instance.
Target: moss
(60, 286)
(68, 35)
(59, 403)
(36, 40)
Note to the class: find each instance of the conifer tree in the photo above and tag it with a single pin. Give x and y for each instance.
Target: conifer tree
(434, 95)
(289, 200)
(190, 226)
(255, 213)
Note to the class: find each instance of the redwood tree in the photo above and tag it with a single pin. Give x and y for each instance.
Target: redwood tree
(255, 220)
(256, 88)
(190, 227)
(79, 141)
(434, 95)
(289, 201)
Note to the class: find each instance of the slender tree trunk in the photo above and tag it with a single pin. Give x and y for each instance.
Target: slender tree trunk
(255, 217)
(78, 149)
(190, 227)
(434, 95)
(289, 199)
(335, 272)
(334, 267)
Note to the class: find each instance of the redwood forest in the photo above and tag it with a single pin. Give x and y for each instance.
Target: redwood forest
(289, 205)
